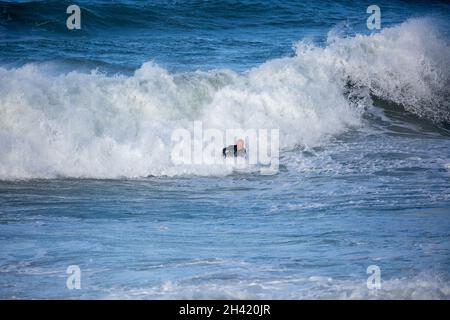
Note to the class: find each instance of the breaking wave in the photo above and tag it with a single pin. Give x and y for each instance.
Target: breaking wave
(101, 126)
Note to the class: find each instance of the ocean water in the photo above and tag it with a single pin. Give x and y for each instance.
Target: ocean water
(87, 178)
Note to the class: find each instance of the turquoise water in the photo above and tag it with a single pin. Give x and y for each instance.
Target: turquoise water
(86, 177)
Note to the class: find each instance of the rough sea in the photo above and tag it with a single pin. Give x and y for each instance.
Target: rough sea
(87, 177)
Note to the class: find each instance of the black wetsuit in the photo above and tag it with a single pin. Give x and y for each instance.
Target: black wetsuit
(233, 151)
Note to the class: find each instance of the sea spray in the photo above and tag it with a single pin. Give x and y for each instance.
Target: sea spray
(94, 125)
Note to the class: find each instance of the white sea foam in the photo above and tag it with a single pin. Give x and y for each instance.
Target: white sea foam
(417, 288)
(94, 125)
(408, 64)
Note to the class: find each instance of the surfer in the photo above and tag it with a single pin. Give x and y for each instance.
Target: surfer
(237, 150)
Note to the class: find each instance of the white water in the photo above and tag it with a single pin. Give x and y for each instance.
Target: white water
(94, 125)
(418, 288)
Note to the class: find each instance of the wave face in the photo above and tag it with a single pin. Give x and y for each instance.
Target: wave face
(408, 65)
(101, 126)
(102, 15)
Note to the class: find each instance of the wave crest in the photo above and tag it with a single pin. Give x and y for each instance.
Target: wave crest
(94, 125)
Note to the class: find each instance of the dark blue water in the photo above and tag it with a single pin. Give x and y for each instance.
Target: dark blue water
(87, 178)
(183, 35)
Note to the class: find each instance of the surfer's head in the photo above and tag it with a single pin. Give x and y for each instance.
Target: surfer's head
(240, 144)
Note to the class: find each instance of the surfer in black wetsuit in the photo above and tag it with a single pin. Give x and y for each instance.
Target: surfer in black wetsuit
(237, 150)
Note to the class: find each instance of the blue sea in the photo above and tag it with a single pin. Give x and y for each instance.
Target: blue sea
(87, 180)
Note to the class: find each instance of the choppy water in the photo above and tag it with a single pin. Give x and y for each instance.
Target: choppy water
(86, 176)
